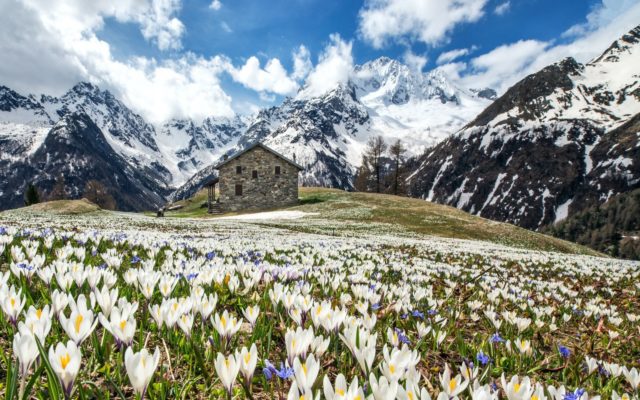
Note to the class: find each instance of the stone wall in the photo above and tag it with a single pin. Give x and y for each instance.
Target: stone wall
(268, 190)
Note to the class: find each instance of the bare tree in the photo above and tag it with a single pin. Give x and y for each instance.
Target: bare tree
(363, 176)
(373, 153)
(397, 151)
(97, 193)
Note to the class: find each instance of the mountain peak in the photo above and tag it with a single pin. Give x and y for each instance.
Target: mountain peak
(625, 44)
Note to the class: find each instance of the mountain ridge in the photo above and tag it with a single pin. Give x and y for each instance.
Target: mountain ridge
(542, 150)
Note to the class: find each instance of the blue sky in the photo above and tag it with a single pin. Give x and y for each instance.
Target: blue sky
(196, 58)
(274, 28)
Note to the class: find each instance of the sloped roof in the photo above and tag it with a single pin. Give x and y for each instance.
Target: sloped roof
(253, 146)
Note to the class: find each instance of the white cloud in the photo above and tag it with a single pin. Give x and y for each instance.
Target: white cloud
(272, 78)
(53, 45)
(334, 67)
(301, 63)
(428, 21)
(159, 25)
(601, 15)
(225, 27)
(505, 65)
(215, 5)
(414, 61)
(502, 65)
(502, 8)
(451, 55)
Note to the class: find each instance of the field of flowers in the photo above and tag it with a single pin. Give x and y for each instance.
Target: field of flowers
(112, 305)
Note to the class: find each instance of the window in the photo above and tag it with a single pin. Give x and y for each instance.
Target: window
(238, 190)
(277, 172)
(254, 174)
(238, 170)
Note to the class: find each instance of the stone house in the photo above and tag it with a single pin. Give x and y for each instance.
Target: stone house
(255, 178)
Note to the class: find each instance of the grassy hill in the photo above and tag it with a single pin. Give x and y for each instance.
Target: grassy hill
(63, 207)
(336, 212)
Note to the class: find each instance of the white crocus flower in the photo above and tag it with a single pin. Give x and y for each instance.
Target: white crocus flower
(381, 389)
(524, 346)
(65, 362)
(185, 322)
(452, 386)
(296, 394)
(37, 322)
(226, 324)
(632, 376)
(248, 360)
(81, 322)
(227, 369)
(12, 304)
(26, 351)
(251, 314)
(306, 373)
(59, 301)
(517, 389)
(121, 325)
(106, 299)
(140, 368)
(341, 390)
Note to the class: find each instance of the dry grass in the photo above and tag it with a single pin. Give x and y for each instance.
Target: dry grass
(63, 207)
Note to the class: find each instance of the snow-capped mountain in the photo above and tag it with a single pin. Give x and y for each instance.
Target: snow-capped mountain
(76, 148)
(419, 108)
(188, 146)
(556, 142)
(327, 134)
(163, 158)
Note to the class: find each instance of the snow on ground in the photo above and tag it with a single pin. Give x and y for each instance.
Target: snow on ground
(271, 215)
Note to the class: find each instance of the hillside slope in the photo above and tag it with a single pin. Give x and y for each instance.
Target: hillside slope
(558, 141)
(612, 228)
(337, 212)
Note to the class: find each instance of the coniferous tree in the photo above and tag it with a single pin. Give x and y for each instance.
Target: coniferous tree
(31, 195)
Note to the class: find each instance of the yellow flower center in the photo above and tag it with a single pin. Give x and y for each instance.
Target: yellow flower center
(340, 392)
(535, 397)
(13, 302)
(223, 321)
(247, 358)
(452, 385)
(392, 368)
(64, 360)
(78, 322)
(123, 323)
(304, 368)
(39, 313)
(227, 278)
(516, 387)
